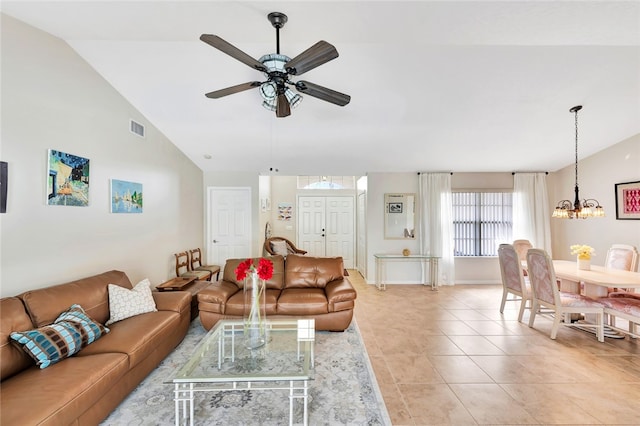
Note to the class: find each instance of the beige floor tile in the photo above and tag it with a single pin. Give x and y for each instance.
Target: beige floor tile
(489, 328)
(490, 404)
(476, 345)
(412, 368)
(606, 402)
(456, 328)
(459, 369)
(435, 404)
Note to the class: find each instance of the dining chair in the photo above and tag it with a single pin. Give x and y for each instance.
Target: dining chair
(623, 257)
(545, 293)
(513, 280)
(521, 247)
(183, 268)
(195, 258)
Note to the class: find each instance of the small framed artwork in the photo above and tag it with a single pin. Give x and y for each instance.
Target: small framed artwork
(126, 197)
(67, 179)
(628, 200)
(395, 207)
(285, 211)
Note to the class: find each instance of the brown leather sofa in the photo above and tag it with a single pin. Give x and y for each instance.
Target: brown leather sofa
(301, 287)
(84, 388)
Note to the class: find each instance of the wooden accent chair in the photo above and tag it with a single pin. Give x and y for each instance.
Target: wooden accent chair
(513, 280)
(545, 294)
(196, 263)
(183, 268)
(279, 245)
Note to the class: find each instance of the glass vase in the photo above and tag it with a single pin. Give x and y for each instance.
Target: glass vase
(254, 311)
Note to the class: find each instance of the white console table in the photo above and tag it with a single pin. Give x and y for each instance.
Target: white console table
(426, 261)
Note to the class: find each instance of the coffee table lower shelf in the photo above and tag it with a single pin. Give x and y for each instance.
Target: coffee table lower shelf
(185, 396)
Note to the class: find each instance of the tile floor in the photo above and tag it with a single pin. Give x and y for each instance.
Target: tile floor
(450, 357)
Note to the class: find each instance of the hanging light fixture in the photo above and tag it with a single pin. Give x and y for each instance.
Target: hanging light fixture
(589, 207)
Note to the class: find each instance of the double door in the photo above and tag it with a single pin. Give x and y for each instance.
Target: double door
(326, 227)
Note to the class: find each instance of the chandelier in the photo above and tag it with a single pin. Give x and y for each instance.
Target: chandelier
(589, 207)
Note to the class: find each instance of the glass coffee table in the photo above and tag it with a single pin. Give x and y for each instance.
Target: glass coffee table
(221, 362)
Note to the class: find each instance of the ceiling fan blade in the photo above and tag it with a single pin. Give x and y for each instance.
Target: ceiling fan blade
(231, 50)
(283, 109)
(316, 55)
(233, 89)
(323, 93)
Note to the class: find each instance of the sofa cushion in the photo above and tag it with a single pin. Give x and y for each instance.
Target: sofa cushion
(45, 304)
(13, 318)
(71, 331)
(308, 271)
(235, 304)
(137, 336)
(56, 395)
(302, 301)
(125, 303)
(276, 282)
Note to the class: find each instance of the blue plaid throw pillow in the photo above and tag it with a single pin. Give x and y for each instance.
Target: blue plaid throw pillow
(70, 332)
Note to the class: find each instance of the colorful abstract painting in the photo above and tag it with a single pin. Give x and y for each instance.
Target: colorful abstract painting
(126, 197)
(68, 179)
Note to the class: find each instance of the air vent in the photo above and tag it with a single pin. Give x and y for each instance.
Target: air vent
(136, 128)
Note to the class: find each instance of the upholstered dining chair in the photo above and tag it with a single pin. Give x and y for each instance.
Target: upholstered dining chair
(513, 280)
(545, 294)
(623, 257)
(195, 258)
(183, 268)
(521, 247)
(281, 246)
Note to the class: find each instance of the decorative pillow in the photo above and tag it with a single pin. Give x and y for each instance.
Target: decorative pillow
(279, 247)
(125, 303)
(69, 333)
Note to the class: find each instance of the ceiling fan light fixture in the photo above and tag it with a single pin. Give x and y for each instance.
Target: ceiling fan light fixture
(271, 103)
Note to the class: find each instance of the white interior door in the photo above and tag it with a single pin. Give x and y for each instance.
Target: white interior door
(229, 224)
(326, 227)
(311, 228)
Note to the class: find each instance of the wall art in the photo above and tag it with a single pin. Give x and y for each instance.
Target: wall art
(126, 197)
(628, 200)
(285, 211)
(67, 179)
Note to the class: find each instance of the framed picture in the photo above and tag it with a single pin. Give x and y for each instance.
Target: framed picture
(628, 200)
(126, 197)
(67, 179)
(395, 207)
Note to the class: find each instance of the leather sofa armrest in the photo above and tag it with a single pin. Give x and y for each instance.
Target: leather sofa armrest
(177, 301)
(218, 293)
(338, 291)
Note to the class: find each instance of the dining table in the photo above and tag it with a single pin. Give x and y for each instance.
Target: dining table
(594, 283)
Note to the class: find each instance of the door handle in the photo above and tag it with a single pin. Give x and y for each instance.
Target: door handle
(214, 241)
(322, 235)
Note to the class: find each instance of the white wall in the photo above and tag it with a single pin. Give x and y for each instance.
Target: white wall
(597, 176)
(51, 98)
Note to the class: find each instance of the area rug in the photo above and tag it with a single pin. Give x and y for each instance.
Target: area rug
(344, 391)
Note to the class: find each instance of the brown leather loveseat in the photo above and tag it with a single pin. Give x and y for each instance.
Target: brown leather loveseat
(301, 287)
(84, 388)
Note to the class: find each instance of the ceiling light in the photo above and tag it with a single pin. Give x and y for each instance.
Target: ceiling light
(269, 90)
(589, 207)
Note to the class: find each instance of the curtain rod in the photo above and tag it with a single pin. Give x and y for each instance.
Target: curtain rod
(513, 173)
(419, 173)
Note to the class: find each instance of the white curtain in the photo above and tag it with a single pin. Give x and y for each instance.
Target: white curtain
(531, 210)
(436, 223)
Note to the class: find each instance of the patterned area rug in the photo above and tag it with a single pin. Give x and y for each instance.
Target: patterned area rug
(344, 391)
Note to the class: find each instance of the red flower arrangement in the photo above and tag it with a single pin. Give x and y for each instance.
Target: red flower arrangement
(264, 269)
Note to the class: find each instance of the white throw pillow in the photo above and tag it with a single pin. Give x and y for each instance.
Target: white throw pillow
(279, 247)
(125, 303)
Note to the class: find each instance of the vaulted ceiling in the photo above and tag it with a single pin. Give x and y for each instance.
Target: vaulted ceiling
(435, 85)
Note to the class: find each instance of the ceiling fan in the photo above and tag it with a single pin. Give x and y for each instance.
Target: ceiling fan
(278, 69)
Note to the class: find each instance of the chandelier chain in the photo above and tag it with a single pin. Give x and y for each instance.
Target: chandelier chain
(576, 124)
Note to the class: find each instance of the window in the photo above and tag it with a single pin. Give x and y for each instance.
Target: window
(481, 221)
(326, 182)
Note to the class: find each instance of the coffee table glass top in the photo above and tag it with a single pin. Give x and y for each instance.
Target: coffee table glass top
(222, 357)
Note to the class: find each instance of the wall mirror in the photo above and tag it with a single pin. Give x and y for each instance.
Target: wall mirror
(399, 216)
